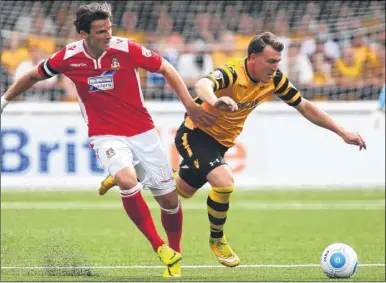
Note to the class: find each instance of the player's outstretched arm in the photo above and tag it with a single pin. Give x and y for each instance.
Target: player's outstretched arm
(21, 85)
(322, 119)
(195, 112)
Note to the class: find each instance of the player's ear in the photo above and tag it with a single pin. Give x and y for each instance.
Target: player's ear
(253, 57)
(83, 34)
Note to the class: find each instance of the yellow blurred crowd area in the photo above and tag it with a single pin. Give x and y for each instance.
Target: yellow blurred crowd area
(346, 52)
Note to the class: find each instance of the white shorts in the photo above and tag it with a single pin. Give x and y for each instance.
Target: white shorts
(144, 152)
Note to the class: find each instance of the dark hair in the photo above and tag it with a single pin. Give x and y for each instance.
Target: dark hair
(86, 14)
(259, 42)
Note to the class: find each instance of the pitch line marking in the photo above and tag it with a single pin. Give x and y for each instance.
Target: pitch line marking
(185, 266)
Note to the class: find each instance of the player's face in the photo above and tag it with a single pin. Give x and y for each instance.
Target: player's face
(100, 35)
(265, 64)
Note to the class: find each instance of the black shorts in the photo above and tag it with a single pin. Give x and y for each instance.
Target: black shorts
(201, 154)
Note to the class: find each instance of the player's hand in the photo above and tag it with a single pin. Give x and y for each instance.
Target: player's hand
(201, 116)
(226, 104)
(355, 139)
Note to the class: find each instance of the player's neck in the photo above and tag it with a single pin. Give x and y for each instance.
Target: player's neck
(249, 71)
(94, 53)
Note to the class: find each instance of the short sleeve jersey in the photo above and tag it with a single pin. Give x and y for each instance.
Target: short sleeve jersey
(233, 80)
(109, 90)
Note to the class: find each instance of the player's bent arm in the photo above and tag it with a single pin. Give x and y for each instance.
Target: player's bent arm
(204, 90)
(21, 85)
(317, 116)
(176, 83)
(195, 112)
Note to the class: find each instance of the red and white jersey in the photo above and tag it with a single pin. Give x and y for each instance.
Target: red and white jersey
(109, 90)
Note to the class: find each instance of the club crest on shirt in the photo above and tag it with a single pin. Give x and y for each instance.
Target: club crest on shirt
(115, 64)
(110, 152)
(146, 52)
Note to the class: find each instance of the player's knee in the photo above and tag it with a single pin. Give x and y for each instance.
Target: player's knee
(221, 177)
(168, 201)
(183, 189)
(126, 179)
(224, 181)
(185, 192)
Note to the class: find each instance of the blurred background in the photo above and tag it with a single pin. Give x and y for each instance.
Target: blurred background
(334, 50)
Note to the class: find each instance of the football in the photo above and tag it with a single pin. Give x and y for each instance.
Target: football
(339, 260)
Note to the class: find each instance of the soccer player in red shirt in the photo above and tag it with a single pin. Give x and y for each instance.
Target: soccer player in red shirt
(104, 70)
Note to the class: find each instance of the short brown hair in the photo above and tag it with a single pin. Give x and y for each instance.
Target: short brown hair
(259, 42)
(86, 14)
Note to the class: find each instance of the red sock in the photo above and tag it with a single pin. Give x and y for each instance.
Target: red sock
(173, 227)
(139, 212)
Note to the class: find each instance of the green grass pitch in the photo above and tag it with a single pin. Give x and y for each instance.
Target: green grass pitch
(278, 234)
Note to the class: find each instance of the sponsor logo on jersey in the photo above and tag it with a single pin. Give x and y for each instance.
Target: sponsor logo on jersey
(247, 105)
(115, 64)
(103, 82)
(78, 65)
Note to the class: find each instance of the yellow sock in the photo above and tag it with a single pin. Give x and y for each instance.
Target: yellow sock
(218, 206)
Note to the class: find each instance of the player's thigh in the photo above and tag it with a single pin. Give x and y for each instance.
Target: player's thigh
(189, 177)
(201, 154)
(153, 169)
(166, 197)
(116, 158)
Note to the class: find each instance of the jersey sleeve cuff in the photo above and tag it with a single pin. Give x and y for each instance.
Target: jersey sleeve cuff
(296, 102)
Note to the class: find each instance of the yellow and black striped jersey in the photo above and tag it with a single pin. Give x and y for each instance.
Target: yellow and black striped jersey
(234, 81)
